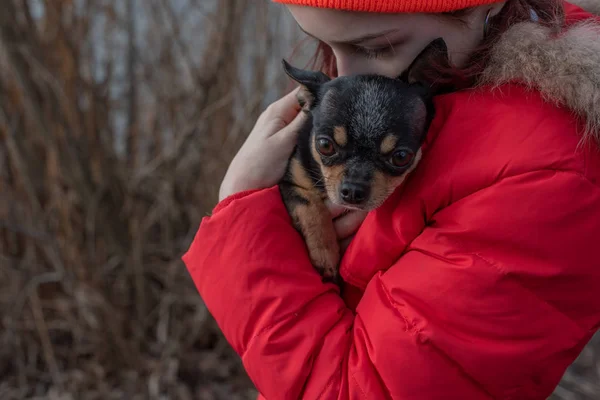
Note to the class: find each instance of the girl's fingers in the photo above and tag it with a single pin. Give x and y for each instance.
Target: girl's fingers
(348, 224)
(334, 209)
(345, 243)
(290, 132)
(284, 110)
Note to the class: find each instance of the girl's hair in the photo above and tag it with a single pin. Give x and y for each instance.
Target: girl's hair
(550, 13)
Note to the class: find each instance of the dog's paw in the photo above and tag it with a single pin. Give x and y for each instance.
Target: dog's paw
(332, 276)
(326, 261)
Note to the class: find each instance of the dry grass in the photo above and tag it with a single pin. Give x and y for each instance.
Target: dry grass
(117, 122)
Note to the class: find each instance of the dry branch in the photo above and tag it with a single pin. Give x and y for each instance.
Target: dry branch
(112, 118)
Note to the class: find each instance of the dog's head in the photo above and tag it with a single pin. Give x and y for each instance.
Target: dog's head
(368, 129)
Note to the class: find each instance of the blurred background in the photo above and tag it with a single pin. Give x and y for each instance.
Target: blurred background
(118, 119)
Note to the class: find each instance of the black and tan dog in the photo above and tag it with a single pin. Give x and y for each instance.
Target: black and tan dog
(362, 137)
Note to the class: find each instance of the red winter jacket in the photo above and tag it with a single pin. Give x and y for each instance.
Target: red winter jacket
(478, 279)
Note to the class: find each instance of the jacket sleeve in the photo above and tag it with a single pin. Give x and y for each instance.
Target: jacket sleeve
(488, 304)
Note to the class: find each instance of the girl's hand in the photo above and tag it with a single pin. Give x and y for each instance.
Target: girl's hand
(346, 222)
(262, 159)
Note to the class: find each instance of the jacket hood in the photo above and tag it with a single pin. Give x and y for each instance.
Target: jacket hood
(564, 68)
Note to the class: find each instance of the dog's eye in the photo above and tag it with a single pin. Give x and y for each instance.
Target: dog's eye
(401, 158)
(325, 147)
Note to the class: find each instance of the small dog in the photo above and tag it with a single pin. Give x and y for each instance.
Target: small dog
(362, 137)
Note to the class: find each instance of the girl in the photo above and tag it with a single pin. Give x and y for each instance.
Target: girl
(479, 277)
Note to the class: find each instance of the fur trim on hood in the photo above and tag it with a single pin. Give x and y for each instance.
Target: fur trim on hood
(565, 68)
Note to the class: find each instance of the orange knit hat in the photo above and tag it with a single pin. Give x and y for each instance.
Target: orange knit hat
(391, 6)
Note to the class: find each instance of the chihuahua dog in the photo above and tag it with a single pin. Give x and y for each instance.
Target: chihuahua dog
(361, 139)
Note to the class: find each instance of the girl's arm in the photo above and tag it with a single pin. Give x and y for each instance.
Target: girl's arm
(493, 301)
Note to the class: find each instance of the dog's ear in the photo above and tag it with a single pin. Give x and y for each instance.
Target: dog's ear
(427, 68)
(310, 81)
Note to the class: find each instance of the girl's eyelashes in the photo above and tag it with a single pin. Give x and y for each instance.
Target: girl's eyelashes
(375, 52)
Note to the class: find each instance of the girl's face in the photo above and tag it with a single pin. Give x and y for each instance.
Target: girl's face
(386, 44)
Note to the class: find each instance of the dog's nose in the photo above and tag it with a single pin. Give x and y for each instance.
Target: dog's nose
(354, 193)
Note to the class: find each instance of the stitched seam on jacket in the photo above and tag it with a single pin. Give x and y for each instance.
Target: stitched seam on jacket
(330, 382)
(410, 327)
(375, 371)
(503, 272)
(362, 392)
(380, 380)
(297, 314)
(499, 268)
(528, 378)
(501, 180)
(352, 375)
(426, 340)
(294, 314)
(339, 367)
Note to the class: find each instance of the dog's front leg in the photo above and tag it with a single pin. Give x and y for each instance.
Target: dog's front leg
(313, 220)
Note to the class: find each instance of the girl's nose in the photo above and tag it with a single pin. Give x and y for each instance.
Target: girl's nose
(350, 66)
